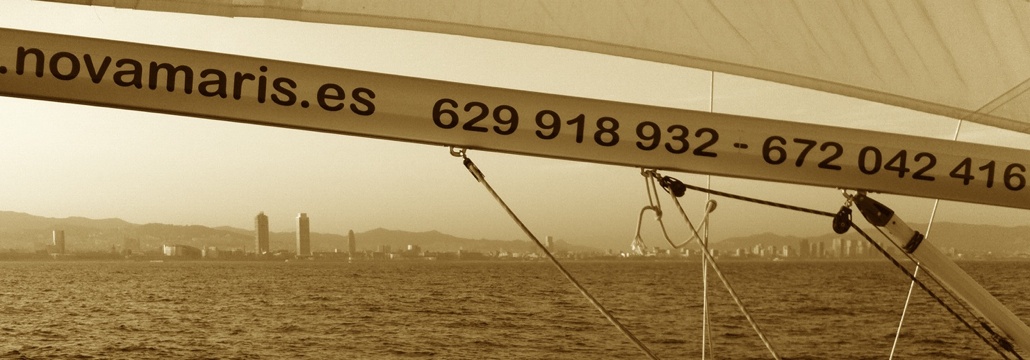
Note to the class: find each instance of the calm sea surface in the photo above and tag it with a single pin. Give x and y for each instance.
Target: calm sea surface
(482, 310)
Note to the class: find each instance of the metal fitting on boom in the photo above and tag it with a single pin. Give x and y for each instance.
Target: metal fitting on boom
(882, 216)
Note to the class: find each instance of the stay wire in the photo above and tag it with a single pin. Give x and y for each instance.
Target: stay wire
(710, 260)
(912, 285)
(998, 340)
(1001, 341)
(582, 290)
(654, 201)
(729, 288)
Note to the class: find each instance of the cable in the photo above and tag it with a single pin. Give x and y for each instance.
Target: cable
(915, 272)
(582, 290)
(1002, 342)
(672, 185)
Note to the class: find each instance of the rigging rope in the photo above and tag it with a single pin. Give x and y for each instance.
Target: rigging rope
(676, 188)
(904, 311)
(1001, 341)
(582, 290)
(665, 181)
(915, 272)
(705, 321)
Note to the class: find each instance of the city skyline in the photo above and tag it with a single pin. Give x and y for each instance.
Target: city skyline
(191, 239)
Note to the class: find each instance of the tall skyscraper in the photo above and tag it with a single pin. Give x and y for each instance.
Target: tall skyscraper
(261, 233)
(57, 245)
(303, 235)
(837, 247)
(352, 245)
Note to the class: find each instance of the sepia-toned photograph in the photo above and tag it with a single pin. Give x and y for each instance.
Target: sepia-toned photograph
(538, 179)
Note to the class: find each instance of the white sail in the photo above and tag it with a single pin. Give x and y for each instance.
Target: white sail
(963, 59)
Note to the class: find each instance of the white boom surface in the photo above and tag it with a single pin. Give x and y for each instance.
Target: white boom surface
(275, 93)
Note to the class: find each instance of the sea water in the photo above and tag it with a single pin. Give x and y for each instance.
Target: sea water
(477, 310)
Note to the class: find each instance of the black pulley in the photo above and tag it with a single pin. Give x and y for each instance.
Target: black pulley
(842, 221)
(673, 186)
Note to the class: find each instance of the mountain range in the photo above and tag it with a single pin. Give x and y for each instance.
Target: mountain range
(25, 232)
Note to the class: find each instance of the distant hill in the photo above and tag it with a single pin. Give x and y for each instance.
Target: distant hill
(25, 232)
(436, 241)
(766, 239)
(10, 220)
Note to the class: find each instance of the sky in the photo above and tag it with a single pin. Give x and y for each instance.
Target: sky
(66, 160)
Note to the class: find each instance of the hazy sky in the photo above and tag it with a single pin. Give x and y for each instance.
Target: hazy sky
(70, 160)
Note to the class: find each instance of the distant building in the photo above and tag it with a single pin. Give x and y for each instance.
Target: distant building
(352, 245)
(261, 233)
(550, 243)
(210, 252)
(804, 249)
(57, 244)
(181, 251)
(303, 235)
(413, 251)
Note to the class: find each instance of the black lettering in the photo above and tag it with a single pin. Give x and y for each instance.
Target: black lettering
(136, 73)
(187, 81)
(237, 90)
(370, 107)
(290, 97)
(323, 95)
(22, 53)
(55, 68)
(97, 75)
(220, 82)
(262, 84)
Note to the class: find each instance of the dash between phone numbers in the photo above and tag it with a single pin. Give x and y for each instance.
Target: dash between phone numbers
(604, 131)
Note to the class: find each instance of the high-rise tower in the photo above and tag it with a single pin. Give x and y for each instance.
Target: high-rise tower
(261, 233)
(351, 243)
(57, 246)
(303, 235)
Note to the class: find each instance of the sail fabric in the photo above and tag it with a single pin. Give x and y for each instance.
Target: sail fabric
(962, 59)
